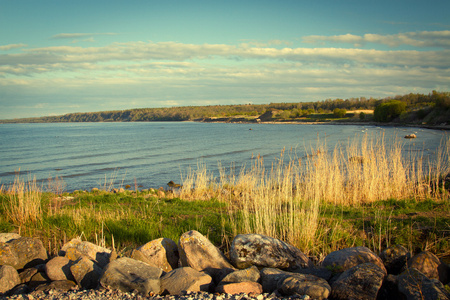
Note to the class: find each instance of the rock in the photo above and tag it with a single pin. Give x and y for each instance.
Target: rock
(395, 258)
(264, 251)
(61, 285)
(362, 281)
(414, 285)
(410, 136)
(185, 279)
(7, 237)
(9, 278)
(76, 248)
(271, 277)
(127, 274)
(38, 279)
(86, 273)
(427, 263)
(342, 260)
(301, 284)
(58, 268)
(250, 274)
(27, 274)
(22, 253)
(321, 272)
(162, 253)
(389, 288)
(246, 287)
(444, 273)
(197, 252)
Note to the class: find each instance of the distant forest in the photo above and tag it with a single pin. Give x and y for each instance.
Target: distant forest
(431, 108)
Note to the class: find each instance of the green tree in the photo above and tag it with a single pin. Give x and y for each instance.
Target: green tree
(387, 111)
(339, 112)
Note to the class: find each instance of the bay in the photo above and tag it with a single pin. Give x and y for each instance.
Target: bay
(150, 154)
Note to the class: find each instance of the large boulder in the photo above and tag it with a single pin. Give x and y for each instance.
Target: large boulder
(22, 253)
(264, 251)
(251, 274)
(362, 281)
(86, 273)
(7, 237)
(9, 278)
(414, 285)
(127, 274)
(245, 287)
(427, 263)
(58, 268)
(342, 260)
(395, 258)
(75, 249)
(197, 252)
(303, 284)
(162, 253)
(185, 279)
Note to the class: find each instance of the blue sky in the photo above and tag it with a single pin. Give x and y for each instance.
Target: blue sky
(58, 57)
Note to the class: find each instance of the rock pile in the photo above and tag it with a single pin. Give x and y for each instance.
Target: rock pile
(257, 265)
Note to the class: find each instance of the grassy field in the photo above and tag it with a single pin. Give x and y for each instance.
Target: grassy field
(365, 193)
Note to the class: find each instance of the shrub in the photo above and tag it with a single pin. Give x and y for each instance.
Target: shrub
(387, 111)
(339, 113)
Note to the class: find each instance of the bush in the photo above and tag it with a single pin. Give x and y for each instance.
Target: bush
(339, 113)
(387, 111)
(362, 116)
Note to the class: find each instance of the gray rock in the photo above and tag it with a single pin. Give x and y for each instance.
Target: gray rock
(58, 268)
(76, 248)
(197, 252)
(389, 288)
(362, 281)
(127, 274)
(271, 277)
(22, 253)
(7, 237)
(427, 263)
(395, 258)
(86, 273)
(414, 285)
(245, 287)
(251, 274)
(185, 279)
(304, 284)
(61, 285)
(264, 251)
(321, 272)
(162, 253)
(342, 260)
(27, 274)
(9, 278)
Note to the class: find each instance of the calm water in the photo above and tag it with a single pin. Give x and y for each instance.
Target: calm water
(86, 155)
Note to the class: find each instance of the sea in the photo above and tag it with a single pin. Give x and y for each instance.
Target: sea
(145, 155)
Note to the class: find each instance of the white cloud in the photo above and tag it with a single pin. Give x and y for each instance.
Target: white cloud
(12, 46)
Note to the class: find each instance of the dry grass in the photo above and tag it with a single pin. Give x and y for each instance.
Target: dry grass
(284, 201)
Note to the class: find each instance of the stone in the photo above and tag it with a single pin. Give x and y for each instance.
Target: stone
(22, 253)
(304, 284)
(197, 252)
(127, 274)
(264, 251)
(79, 248)
(427, 263)
(58, 268)
(320, 272)
(271, 277)
(9, 278)
(444, 273)
(362, 281)
(185, 279)
(162, 253)
(413, 284)
(245, 287)
(27, 274)
(395, 258)
(342, 260)
(86, 273)
(389, 288)
(250, 274)
(7, 237)
(60, 285)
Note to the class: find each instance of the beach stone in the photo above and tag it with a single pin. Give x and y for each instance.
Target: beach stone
(38, 279)
(245, 287)
(362, 281)
(303, 284)
(197, 252)
(444, 273)
(58, 268)
(28, 252)
(270, 277)
(264, 251)
(9, 278)
(342, 260)
(27, 274)
(389, 288)
(7, 237)
(86, 273)
(162, 253)
(320, 272)
(249, 274)
(395, 258)
(60, 285)
(427, 263)
(75, 248)
(127, 274)
(414, 285)
(185, 279)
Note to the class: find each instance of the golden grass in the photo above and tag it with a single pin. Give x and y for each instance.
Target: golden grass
(284, 202)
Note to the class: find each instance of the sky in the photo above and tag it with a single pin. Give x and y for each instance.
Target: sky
(62, 56)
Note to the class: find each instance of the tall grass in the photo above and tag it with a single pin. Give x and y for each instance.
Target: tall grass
(284, 201)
